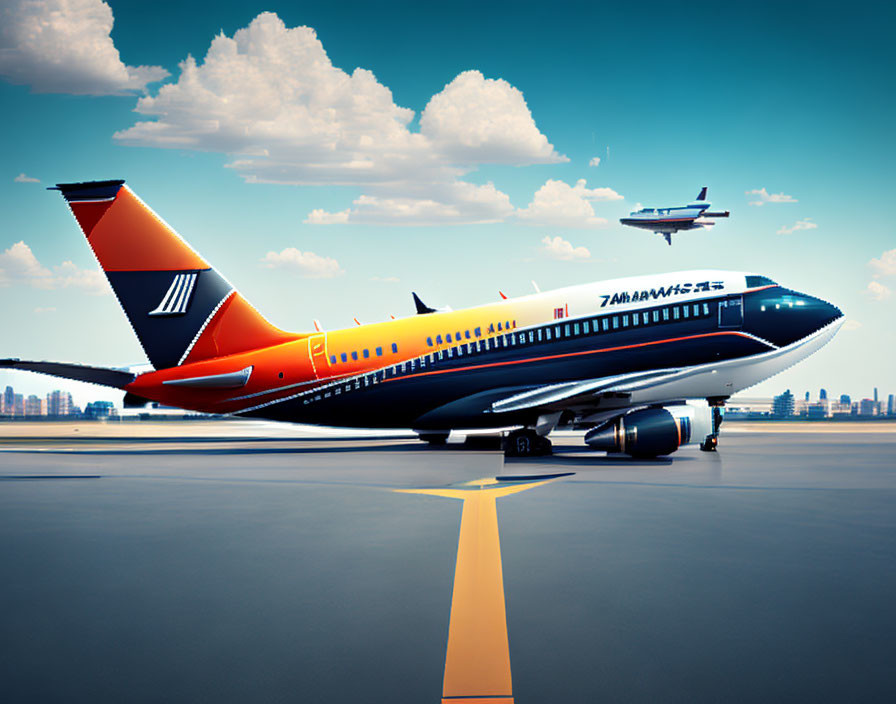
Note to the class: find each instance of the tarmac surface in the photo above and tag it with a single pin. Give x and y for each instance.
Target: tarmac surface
(244, 561)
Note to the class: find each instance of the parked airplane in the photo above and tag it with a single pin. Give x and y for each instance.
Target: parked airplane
(666, 221)
(635, 360)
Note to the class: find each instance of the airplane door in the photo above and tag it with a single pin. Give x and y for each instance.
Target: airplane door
(317, 351)
(731, 312)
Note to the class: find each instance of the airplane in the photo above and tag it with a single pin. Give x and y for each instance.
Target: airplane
(666, 221)
(643, 363)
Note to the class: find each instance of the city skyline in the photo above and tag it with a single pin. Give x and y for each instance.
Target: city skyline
(505, 152)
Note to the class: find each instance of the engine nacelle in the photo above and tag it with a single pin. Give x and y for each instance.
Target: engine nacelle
(653, 431)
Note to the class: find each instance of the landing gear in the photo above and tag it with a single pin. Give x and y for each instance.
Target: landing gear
(434, 438)
(711, 443)
(526, 443)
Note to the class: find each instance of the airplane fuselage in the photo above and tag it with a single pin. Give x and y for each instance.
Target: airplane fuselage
(446, 370)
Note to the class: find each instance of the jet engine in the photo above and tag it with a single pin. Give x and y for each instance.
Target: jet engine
(650, 432)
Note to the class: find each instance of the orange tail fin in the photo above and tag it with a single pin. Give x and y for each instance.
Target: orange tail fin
(180, 308)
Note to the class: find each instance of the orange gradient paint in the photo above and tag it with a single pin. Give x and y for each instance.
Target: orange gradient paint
(131, 237)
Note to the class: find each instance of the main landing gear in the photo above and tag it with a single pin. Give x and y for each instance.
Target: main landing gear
(525, 442)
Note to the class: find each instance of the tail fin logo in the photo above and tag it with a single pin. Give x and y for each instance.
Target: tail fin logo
(177, 298)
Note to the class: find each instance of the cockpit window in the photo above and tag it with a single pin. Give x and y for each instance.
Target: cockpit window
(757, 281)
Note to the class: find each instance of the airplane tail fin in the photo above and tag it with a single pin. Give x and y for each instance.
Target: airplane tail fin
(180, 308)
(702, 194)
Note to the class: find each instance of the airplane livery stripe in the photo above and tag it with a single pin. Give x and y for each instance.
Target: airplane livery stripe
(511, 362)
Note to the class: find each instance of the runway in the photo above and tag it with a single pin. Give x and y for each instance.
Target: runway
(249, 562)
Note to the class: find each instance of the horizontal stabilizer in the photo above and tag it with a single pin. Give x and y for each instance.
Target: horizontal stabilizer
(115, 378)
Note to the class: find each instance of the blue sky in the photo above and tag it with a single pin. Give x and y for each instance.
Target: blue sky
(471, 128)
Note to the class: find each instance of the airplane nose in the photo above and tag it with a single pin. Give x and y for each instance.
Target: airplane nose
(783, 317)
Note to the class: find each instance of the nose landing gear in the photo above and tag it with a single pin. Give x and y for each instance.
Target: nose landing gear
(711, 442)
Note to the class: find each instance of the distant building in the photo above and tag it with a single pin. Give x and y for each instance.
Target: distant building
(8, 401)
(100, 409)
(845, 400)
(18, 405)
(868, 407)
(807, 397)
(875, 395)
(783, 405)
(59, 403)
(891, 405)
(818, 410)
(34, 406)
(823, 395)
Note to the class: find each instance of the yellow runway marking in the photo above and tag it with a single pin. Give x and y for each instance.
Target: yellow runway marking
(477, 661)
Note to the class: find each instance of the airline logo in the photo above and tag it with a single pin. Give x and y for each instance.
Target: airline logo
(661, 292)
(177, 297)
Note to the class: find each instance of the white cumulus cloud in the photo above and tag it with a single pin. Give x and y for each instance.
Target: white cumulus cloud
(595, 161)
(559, 248)
(307, 264)
(762, 197)
(557, 204)
(18, 265)
(878, 291)
(885, 265)
(271, 98)
(23, 178)
(65, 46)
(806, 224)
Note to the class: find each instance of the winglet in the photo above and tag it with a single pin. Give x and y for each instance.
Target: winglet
(422, 308)
(702, 195)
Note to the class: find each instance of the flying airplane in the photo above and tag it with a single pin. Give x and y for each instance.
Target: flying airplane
(666, 221)
(643, 363)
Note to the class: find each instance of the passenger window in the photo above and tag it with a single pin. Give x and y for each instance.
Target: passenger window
(605, 324)
(656, 316)
(523, 338)
(355, 355)
(394, 348)
(615, 322)
(332, 359)
(438, 339)
(706, 309)
(448, 337)
(507, 324)
(460, 350)
(429, 341)
(665, 313)
(547, 334)
(531, 336)
(675, 313)
(696, 310)
(467, 334)
(575, 328)
(379, 351)
(343, 357)
(457, 336)
(684, 311)
(635, 318)
(585, 327)
(538, 334)
(499, 327)
(450, 355)
(366, 354)
(625, 320)
(557, 332)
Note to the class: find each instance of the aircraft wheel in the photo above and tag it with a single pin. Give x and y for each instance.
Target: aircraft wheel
(710, 444)
(526, 443)
(434, 438)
